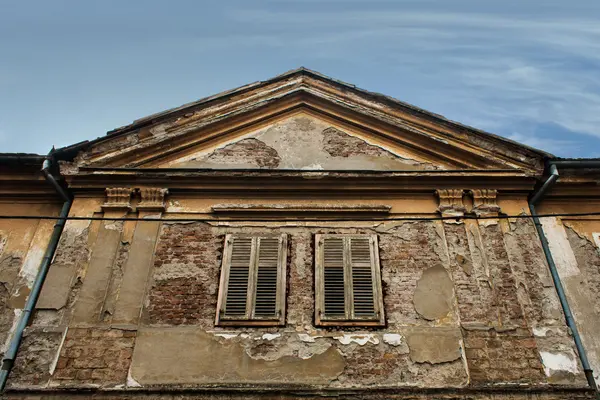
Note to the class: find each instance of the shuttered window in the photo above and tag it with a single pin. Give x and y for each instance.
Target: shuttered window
(348, 281)
(252, 286)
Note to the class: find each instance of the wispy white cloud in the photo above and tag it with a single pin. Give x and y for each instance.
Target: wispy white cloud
(491, 68)
(527, 70)
(553, 146)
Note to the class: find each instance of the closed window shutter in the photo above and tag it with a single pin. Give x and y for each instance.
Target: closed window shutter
(362, 277)
(239, 277)
(266, 277)
(252, 288)
(348, 281)
(333, 277)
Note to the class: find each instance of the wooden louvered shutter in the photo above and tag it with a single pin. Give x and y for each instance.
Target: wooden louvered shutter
(348, 281)
(236, 300)
(333, 278)
(265, 304)
(363, 291)
(252, 288)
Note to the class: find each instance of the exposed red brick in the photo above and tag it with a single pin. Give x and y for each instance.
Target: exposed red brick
(94, 355)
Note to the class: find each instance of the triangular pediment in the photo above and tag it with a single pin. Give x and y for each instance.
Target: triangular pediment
(301, 141)
(304, 121)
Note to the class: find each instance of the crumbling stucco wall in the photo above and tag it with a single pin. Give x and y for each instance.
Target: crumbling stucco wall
(22, 246)
(577, 257)
(182, 299)
(467, 304)
(301, 142)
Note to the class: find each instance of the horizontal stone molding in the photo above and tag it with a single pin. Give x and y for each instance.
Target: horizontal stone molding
(301, 208)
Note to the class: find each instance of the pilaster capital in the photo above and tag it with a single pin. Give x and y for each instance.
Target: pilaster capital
(484, 202)
(118, 199)
(450, 202)
(152, 199)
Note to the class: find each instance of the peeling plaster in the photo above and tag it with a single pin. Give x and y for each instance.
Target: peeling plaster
(57, 356)
(116, 226)
(227, 335)
(393, 339)
(132, 382)
(302, 142)
(596, 236)
(201, 358)
(313, 167)
(31, 264)
(549, 331)
(11, 331)
(488, 222)
(434, 293)
(304, 337)
(561, 250)
(359, 339)
(434, 348)
(271, 336)
(558, 362)
(75, 228)
(541, 331)
(3, 239)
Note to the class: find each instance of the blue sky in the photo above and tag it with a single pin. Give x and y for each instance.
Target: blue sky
(528, 70)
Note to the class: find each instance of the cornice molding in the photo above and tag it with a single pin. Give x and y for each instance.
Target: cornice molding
(305, 208)
(205, 129)
(301, 181)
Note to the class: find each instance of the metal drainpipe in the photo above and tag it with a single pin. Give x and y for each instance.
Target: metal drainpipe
(556, 278)
(13, 348)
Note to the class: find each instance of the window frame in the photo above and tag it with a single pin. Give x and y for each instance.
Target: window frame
(378, 319)
(249, 319)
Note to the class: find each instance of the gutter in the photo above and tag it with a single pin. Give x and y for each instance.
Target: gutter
(534, 199)
(13, 348)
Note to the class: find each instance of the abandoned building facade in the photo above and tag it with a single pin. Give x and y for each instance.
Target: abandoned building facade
(299, 238)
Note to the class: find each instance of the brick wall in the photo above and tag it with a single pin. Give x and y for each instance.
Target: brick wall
(186, 275)
(495, 357)
(94, 356)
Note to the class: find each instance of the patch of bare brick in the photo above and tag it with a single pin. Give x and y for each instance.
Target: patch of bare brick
(252, 151)
(185, 280)
(509, 357)
(95, 356)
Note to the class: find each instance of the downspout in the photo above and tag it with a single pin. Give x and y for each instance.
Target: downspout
(554, 272)
(11, 353)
